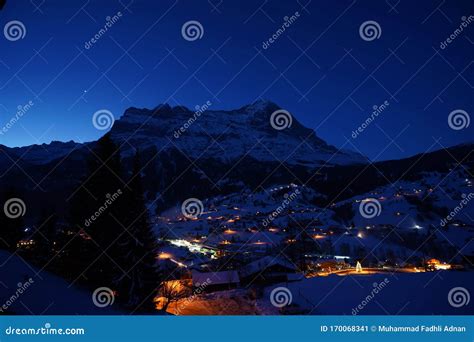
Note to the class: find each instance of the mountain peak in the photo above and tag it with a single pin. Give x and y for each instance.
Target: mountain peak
(261, 105)
(163, 109)
(228, 135)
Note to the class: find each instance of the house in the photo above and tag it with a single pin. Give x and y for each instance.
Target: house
(268, 269)
(329, 265)
(215, 281)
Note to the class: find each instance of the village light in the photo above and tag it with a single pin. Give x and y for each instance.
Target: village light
(180, 264)
(164, 256)
(438, 265)
(443, 266)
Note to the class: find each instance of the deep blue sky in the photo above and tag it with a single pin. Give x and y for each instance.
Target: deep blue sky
(67, 87)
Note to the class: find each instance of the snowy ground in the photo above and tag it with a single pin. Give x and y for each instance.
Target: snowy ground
(403, 294)
(46, 294)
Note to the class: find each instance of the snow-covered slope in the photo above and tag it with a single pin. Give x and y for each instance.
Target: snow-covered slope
(26, 290)
(425, 294)
(409, 213)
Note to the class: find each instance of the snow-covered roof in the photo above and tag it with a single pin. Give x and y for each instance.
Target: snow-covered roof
(263, 263)
(215, 278)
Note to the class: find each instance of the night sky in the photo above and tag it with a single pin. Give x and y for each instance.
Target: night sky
(319, 69)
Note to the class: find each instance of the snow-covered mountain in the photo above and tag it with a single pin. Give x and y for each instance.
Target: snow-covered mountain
(39, 154)
(228, 135)
(208, 153)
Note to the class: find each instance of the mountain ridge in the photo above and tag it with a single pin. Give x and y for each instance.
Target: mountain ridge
(219, 152)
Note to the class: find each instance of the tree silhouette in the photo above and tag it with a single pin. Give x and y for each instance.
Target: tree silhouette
(11, 228)
(137, 288)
